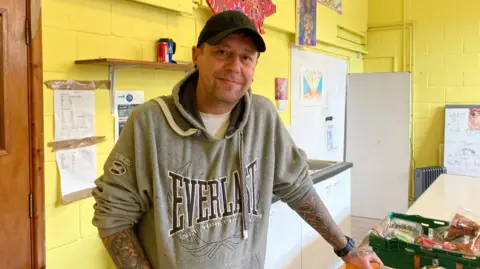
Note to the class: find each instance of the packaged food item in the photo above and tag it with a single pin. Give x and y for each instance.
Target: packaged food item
(466, 244)
(404, 230)
(462, 224)
(424, 241)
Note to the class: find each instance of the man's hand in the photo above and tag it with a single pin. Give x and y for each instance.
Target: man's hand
(362, 257)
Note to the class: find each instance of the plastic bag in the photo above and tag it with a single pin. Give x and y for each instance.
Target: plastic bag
(463, 223)
(429, 242)
(407, 231)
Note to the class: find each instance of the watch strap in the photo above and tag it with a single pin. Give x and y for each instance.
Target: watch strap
(344, 252)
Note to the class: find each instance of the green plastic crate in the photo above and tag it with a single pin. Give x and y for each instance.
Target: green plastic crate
(402, 255)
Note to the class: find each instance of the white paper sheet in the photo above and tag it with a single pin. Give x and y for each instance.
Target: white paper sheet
(78, 169)
(125, 101)
(75, 119)
(74, 114)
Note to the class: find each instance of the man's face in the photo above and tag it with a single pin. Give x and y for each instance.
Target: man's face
(226, 70)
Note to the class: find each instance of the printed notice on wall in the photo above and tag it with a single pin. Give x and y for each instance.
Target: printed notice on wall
(78, 170)
(75, 119)
(125, 101)
(74, 114)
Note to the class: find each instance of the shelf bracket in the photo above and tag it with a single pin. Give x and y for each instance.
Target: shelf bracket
(111, 77)
(112, 69)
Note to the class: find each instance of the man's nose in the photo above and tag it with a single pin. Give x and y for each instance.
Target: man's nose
(233, 64)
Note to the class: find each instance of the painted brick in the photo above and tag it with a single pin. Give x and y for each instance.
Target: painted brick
(462, 62)
(59, 49)
(433, 95)
(102, 105)
(420, 79)
(471, 44)
(90, 72)
(101, 159)
(184, 53)
(443, 78)
(52, 186)
(149, 51)
(62, 225)
(420, 127)
(95, 46)
(435, 62)
(437, 112)
(86, 215)
(428, 133)
(471, 77)
(72, 15)
(463, 95)
(138, 21)
(421, 110)
(181, 29)
(87, 253)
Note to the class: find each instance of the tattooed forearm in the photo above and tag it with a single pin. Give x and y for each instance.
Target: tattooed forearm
(126, 251)
(316, 214)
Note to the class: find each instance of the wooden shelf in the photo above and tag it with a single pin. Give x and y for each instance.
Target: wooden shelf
(185, 66)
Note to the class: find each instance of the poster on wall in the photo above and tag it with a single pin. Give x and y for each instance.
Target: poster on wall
(125, 101)
(256, 10)
(281, 93)
(306, 23)
(312, 90)
(332, 4)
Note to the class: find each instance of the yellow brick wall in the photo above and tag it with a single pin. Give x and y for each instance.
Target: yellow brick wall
(443, 55)
(81, 29)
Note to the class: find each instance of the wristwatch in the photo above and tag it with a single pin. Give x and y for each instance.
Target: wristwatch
(344, 252)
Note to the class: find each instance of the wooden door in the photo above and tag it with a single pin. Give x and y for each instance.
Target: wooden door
(15, 221)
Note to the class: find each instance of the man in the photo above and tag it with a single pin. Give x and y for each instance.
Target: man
(189, 183)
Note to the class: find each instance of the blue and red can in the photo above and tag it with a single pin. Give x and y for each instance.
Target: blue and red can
(166, 47)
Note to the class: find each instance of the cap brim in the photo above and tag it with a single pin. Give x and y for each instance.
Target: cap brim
(257, 38)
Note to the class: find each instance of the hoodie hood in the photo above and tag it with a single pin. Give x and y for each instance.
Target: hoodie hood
(190, 122)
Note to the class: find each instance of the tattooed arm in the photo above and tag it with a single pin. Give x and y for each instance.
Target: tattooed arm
(125, 250)
(316, 214)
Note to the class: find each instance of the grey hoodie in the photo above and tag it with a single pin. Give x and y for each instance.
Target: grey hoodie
(196, 201)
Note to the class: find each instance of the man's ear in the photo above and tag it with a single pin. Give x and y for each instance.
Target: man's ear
(195, 52)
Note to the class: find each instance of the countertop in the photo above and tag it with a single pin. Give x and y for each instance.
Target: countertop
(446, 196)
(323, 170)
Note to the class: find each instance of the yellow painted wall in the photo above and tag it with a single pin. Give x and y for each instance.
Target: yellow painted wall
(443, 54)
(82, 29)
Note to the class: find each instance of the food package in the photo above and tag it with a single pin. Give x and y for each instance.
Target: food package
(428, 242)
(462, 224)
(405, 230)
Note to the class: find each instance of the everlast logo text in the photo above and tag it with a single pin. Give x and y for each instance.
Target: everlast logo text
(207, 200)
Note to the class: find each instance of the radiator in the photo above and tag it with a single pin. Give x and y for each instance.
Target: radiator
(424, 177)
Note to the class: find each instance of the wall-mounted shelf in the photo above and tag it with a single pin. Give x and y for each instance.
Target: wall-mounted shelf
(185, 66)
(114, 64)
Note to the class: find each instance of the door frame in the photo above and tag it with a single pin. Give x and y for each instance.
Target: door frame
(35, 81)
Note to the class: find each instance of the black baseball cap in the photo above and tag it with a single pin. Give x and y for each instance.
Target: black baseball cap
(226, 22)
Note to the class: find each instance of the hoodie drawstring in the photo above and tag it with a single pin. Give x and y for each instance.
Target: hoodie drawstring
(243, 188)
